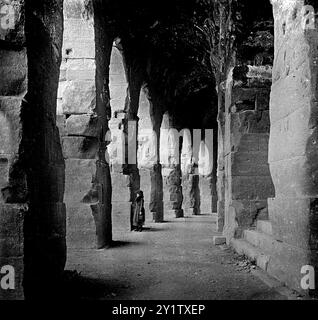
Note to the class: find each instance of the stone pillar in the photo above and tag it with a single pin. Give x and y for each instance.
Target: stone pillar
(78, 124)
(248, 183)
(13, 188)
(156, 205)
(135, 82)
(173, 185)
(214, 171)
(156, 194)
(186, 167)
(121, 196)
(192, 193)
(293, 140)
(102, 182)
(205, 172)
(45, 224)
(83, 122)
(147, 149)
(190, 173)
(170, 157)
(220, 161)
(132, 168)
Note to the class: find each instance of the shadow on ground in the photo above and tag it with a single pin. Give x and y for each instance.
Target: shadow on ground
(77, 287)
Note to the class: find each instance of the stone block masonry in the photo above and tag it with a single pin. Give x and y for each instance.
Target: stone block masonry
(283, 204)
(293, 140)
(248, 182)
(13, 208)
(78, 122)
(32, 212)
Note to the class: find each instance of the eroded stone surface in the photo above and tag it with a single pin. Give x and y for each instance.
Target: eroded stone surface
(292, 144)
(81, 121)
(246, 138)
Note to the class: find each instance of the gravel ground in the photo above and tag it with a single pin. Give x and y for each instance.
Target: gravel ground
(171, 260)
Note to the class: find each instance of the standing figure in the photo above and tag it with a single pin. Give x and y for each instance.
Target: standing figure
(138, 212)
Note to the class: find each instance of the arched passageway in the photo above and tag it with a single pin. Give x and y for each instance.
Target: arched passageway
(85, 80)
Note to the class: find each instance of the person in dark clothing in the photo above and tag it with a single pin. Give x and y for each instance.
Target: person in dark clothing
(138, 212)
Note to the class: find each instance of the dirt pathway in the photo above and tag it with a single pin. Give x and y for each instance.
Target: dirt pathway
(173, 260)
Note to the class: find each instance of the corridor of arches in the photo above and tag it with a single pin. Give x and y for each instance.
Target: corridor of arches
(208, 107)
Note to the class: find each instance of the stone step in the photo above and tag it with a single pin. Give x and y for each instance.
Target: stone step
(264, 226)
(256, 255)
(283, 251)
(283, 263)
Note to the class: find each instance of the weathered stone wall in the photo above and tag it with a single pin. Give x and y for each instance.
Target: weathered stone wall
(293, 140)
(248, 182)
(44, 227)
(77, 121)
(13, 86)
(83, 123)
(32, 235)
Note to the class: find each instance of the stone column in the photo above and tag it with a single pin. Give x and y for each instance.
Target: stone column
(220, 174)
(83, 113)
(205, 172)
(174, 198)
(135, 81)
(78, 122)
(102, 210)
(190, 172)
(132, 167)
(156, 196)
(44, 226)
(293, 146)
(170, 156)
(191, 182)
(13, 187)
(214, 170)
(121, 199)
(147, 148)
